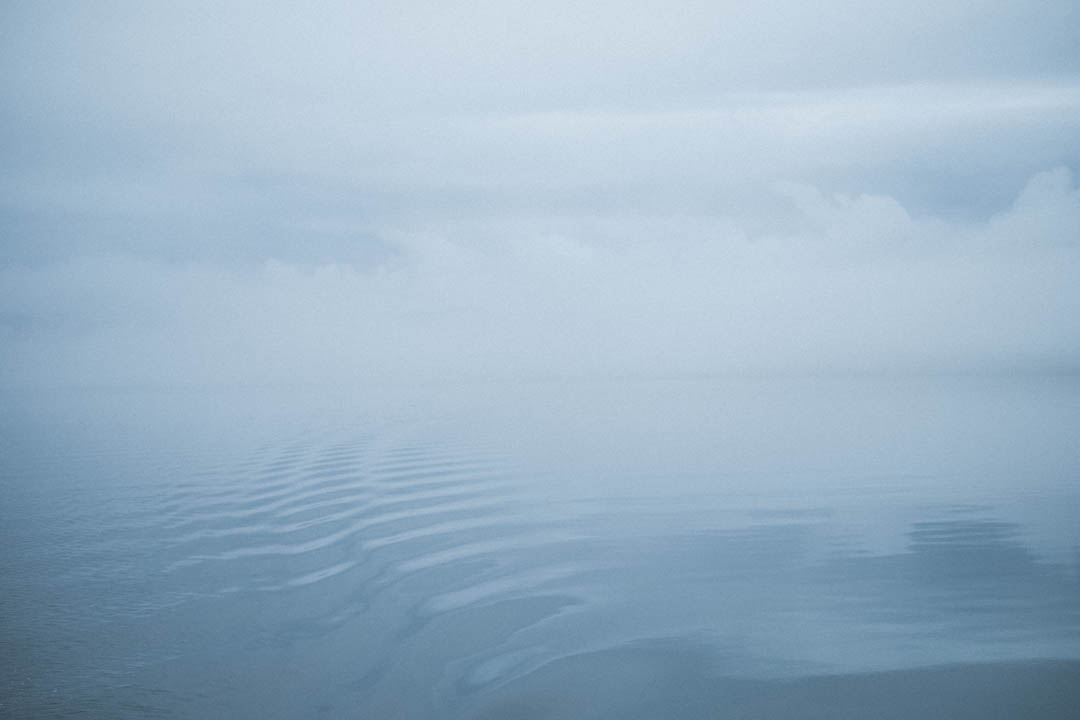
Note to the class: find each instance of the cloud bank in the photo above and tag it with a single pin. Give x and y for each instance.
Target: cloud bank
(855, 284)
(208, 193)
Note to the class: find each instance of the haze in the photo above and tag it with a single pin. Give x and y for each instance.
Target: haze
(200, 193)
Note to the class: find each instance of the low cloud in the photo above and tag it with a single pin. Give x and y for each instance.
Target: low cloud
(851, 283)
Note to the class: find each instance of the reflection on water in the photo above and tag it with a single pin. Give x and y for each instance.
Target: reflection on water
(772, 552)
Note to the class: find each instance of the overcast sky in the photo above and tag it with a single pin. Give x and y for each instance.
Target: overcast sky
(247, 192)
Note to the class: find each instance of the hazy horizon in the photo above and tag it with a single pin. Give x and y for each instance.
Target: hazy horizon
(201, 194)
(403, 359)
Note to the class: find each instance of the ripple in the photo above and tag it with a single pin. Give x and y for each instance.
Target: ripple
(313, 577)
(507, 586)
(324, 515)
(481, 548)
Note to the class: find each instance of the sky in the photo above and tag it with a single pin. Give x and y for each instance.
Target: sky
(205, 192)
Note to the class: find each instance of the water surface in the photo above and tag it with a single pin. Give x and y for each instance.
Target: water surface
(814, 547)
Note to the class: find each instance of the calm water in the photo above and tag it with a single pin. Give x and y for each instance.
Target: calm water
(667, 548)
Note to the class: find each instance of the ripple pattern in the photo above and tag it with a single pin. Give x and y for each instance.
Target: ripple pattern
(369, 571)
(369, 538)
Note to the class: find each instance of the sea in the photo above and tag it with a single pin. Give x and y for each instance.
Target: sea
(820, 546)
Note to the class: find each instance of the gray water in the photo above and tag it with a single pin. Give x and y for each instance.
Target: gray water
(742, 547)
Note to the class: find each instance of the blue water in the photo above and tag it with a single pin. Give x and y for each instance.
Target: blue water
(814, 547)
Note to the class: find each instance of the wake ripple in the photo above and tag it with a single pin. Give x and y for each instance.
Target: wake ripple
(369, 531)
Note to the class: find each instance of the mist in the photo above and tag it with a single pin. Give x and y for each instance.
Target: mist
(856, 284)
(357, 194)
(408, 359)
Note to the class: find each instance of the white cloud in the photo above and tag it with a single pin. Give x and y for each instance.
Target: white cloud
(857, 284)
(201, 191)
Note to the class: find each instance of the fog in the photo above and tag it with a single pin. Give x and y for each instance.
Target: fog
(409, 359)
(353, 194)
(862, 287)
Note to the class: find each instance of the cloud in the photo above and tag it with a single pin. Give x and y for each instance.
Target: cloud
(207, 192)
(333, 192)
(857, 284)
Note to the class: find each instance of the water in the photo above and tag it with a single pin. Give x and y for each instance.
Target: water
(818, 547)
